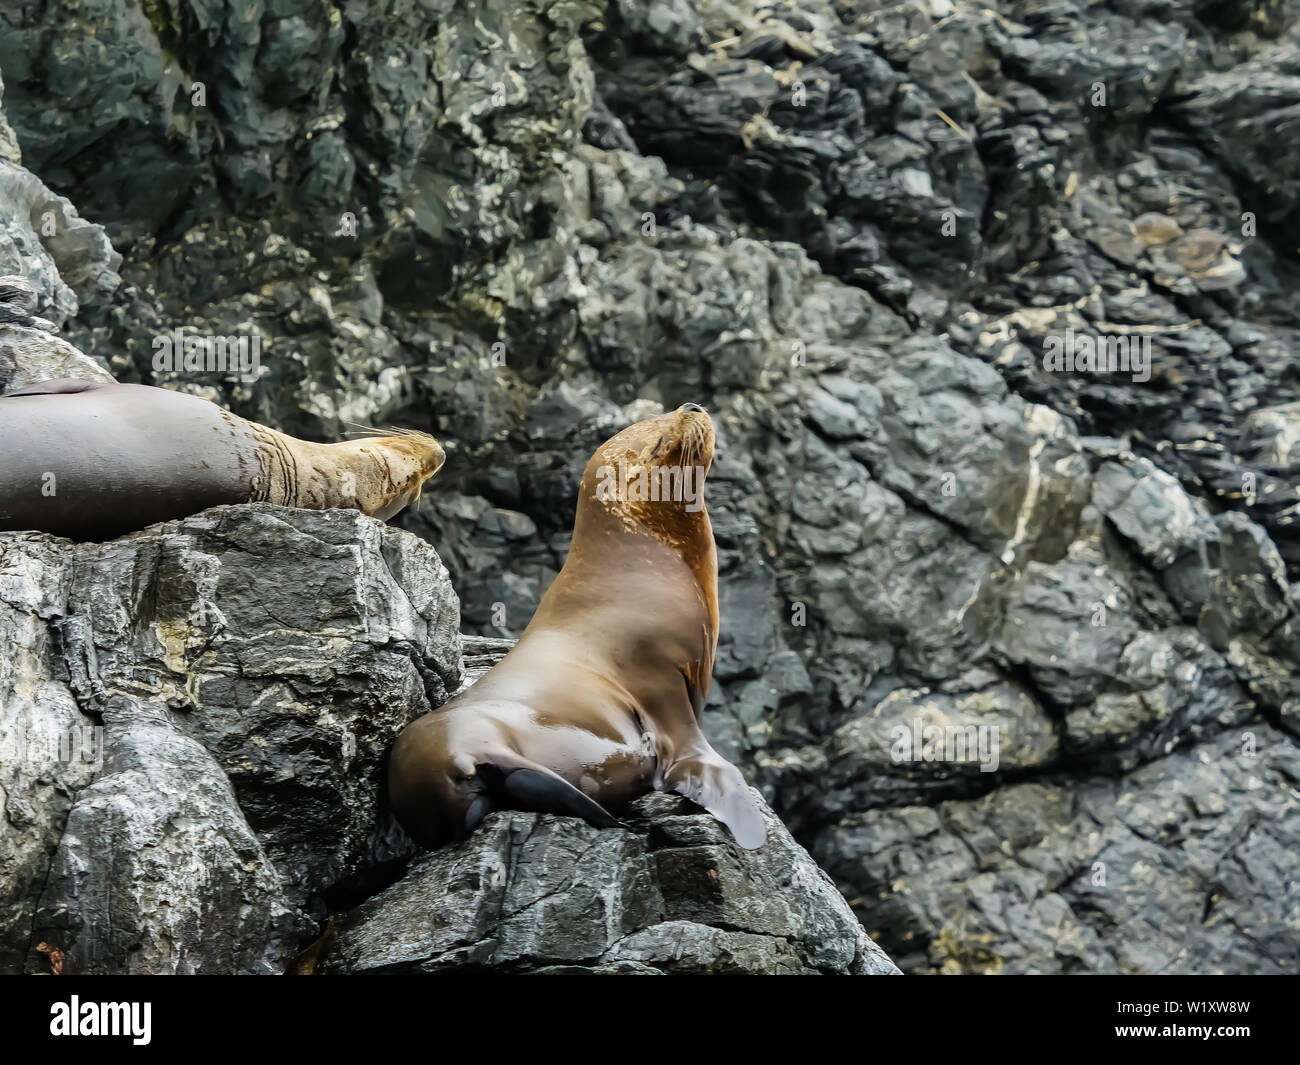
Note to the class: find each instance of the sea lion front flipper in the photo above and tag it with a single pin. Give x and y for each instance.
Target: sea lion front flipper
(718, 786)
(544, 791)
(60, 386)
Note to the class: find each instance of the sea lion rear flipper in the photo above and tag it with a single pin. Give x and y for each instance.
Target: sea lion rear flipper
(540, 789)
(478, 809)
(61, 386)
(719, 787)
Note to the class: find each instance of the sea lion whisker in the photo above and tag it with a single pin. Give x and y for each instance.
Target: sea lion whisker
(693, 443)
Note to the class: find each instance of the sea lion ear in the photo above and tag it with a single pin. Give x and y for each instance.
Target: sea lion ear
(717, 785)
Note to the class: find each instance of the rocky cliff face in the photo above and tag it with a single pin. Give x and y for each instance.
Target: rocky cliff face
(852, 230)
(194, 726)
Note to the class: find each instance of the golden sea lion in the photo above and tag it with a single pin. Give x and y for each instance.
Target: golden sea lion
(91, 460)
(599, 701)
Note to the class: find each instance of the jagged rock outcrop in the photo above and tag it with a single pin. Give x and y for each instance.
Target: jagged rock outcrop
(849, 229)
(29, 350)
(1185, 865)
(69, 261)
(194, 722)
(531, 893)
(53, 263)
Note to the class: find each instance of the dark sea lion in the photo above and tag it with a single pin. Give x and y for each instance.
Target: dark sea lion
(91, 460)
(599, 701)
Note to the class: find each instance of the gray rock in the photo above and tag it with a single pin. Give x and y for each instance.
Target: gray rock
(227, 688)
(536, 893)
(671, 26)
(68, 261)
(29, 355)
(1067, 625)
(17, 298)
(1180, 867)
(157, 871)
(9, 150)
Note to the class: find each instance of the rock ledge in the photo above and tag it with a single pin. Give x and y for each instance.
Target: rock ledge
(534, 893)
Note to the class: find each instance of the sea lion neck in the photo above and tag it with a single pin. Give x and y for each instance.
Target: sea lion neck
(648, 482)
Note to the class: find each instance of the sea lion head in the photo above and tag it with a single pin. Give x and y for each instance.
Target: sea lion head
(408, 458)
(652, 473)
(378, 475)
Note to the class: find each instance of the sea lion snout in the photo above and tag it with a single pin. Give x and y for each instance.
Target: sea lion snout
(661, 460)
(427, 453)
(432, 456)
(693, 433)
(408, 460)
(436, 457)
